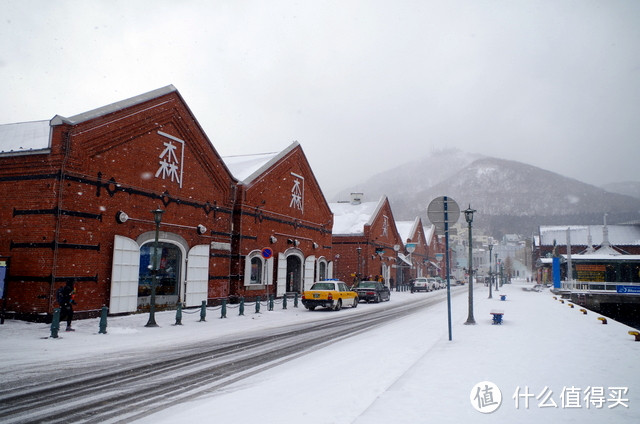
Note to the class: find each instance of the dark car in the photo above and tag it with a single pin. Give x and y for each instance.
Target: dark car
(372, 291)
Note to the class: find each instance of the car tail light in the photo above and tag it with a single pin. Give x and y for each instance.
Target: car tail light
(330, 297)
(303, 295)
(370, 293)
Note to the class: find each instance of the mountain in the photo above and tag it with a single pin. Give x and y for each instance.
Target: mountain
(628, 188)
(418, 175)
(509, 196)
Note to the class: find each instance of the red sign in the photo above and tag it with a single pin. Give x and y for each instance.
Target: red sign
(267, 253)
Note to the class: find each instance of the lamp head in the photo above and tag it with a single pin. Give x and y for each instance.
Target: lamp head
(468, 214)
(157, 215)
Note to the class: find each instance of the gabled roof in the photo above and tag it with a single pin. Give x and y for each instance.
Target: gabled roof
(25, 137)
(407, 229)
(350, 218)
(114, 107)
(246, 168)
(428, 233)
(35, 136)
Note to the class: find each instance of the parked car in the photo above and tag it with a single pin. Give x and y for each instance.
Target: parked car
(433, 283)
(421, 284)
(372, 291)
(440, 283)
(329, 294)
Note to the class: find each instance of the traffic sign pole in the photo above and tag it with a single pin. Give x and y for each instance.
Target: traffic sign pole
(441, 211)
(446, 258)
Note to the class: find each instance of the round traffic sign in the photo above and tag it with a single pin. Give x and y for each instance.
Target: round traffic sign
(443, 209)
(267, 253)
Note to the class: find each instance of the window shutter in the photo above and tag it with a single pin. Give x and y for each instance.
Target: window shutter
(197, 280)
(125, 272)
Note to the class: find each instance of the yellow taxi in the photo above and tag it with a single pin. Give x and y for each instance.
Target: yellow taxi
(332, 294)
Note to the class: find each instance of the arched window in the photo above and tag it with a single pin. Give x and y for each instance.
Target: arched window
(322, 270)
(256, 270)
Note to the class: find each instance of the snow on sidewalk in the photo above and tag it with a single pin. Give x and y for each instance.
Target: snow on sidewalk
(404, 372)
(544, 348)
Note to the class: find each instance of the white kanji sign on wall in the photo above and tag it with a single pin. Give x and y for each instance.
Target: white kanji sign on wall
(171, 159)
(297, 193)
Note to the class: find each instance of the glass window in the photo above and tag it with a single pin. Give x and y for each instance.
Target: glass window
(256, 270)
(322, 271)
(169, 259)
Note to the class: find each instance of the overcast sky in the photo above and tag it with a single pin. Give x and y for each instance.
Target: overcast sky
(363, 85)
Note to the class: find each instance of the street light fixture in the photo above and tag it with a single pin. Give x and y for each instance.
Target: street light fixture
(157, 218)
(468, 215)
(490, 277)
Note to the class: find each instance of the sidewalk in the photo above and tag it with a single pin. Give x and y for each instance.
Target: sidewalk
(545, 352)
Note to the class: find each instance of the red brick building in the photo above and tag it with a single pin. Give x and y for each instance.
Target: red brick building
(366, 241)
(78, 195)
(282, 224)
(436, 265)
(414, 256)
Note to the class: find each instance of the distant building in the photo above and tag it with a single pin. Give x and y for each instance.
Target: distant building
(365, 240)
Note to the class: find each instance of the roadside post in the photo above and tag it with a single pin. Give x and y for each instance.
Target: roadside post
(102, 326)
(55, 323)
(442, 211)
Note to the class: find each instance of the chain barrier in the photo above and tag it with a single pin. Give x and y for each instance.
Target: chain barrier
(258, 302)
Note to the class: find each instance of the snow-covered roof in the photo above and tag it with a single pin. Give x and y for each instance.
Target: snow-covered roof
(34, 137)
(406, 229)
(24, 137)
(245, 168)
(114, 107)
(619, 235)
(350, 218)
(594, 257)
(428, 233)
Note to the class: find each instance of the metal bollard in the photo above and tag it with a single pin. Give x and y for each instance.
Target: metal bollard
(257, 304)
(55, 323)
(178, 314)
(203, 311)
(295, 301)
(103, 320)
(223, 309)
(241, 307)
(271, 302)
(284, 301)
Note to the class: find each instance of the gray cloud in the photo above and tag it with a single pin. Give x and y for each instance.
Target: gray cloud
(362, 85)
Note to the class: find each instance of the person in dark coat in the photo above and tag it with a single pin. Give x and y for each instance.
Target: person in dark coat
(66, 304)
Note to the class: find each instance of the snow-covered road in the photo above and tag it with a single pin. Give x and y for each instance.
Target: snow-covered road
(406, 371)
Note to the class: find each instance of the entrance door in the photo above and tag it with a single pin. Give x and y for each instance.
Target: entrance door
(169, 264)
(294, 274)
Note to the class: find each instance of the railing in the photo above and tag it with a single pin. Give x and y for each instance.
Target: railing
(598, 286)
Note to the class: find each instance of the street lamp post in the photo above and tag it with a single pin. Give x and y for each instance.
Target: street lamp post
(496, 276)
(490, 279)
(468, 215)
(359, 250)
(157, 218)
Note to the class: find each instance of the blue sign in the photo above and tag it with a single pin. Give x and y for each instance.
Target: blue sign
(3, 273)
(267, 253)
(628, 289)
(555, 264)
